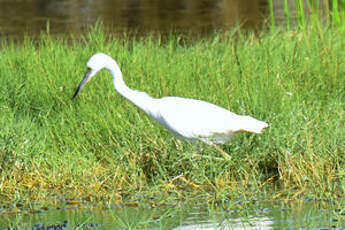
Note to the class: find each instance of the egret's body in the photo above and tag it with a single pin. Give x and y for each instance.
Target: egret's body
(188, 119)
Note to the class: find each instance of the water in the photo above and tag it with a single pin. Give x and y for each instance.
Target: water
(73, 16)
(257, 215)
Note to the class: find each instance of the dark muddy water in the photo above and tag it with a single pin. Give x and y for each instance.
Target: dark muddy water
(18, 17)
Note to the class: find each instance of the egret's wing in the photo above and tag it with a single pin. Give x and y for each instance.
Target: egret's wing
(197, 119)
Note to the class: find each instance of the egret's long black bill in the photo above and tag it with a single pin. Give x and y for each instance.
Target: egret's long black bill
(81, 84)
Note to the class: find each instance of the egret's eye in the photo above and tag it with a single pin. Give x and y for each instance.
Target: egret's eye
(88, 69)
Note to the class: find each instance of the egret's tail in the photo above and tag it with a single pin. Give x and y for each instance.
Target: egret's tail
(252, 125)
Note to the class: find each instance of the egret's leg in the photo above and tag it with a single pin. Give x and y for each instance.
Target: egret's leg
(221, 151)
(179, 146)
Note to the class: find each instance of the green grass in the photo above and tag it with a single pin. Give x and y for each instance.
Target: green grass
(101, 148)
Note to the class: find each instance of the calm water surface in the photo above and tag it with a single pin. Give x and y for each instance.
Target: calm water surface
(263, 215)
(18, 17)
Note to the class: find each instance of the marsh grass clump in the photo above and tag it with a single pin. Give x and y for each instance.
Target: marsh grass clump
(99, 147)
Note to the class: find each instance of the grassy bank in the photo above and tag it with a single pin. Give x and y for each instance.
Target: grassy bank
(99, 147)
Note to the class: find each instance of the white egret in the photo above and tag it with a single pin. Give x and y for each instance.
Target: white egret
(188, 119)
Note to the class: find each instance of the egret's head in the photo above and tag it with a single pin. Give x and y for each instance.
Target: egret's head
(97, 62)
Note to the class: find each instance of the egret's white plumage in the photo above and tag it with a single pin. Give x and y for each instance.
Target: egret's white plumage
(188, 119)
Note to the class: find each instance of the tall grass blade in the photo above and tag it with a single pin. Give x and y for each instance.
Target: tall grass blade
(335, 13)
(287, 14)
(301, 20)
(271, 10)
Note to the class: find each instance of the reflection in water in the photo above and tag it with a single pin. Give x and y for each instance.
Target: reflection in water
(71, 16)
(251, 215)
(233, 224)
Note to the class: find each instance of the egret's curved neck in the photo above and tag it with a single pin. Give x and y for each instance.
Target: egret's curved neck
(140, 99)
